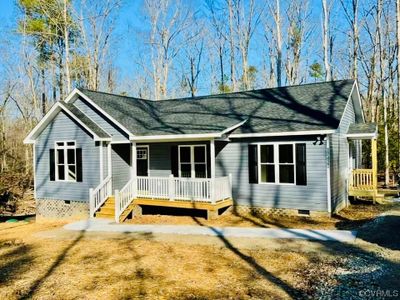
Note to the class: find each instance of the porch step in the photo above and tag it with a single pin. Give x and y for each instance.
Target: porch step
(104, 215)
(107, 210)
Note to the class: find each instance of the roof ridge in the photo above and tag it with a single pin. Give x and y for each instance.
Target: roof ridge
(256, 90)
(113, 94)
(220, 94)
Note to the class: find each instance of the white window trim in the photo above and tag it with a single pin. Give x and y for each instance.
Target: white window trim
(276, 162)
(192, 163)
(148, 156)
(65, 148)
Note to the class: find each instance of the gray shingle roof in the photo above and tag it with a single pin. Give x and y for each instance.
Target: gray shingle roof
(362, 128)
(317, 106)
(86, 120)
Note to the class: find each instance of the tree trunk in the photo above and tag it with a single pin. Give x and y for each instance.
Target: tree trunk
(232, 46)
(278, 44)
(66, 43)
(325, 39)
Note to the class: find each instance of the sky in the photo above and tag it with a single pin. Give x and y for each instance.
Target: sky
(130, 21)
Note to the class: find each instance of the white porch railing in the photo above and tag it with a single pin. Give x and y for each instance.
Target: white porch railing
(124, 197)
(99, 195)
(187, 189)
(153, 187)
(172, 188)
(223, 187)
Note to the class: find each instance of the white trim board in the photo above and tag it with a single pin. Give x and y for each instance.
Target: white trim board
(286, 133)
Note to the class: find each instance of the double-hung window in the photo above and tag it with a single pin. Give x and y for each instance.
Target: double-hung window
(192, 161)
(277, 163)
(65, 161)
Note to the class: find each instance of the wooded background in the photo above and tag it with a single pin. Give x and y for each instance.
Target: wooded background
(189, 48)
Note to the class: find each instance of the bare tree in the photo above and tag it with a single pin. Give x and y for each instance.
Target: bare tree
(168, 24)
(352, 18)
(278, 36)
(232, 38)
(298, 14)
(96, 26)
(194, 56)
(247, 20)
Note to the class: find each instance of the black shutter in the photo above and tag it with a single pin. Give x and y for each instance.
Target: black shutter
(174, 161)
(253, 168)
(301, 164)
(52, 165)
(78, 164)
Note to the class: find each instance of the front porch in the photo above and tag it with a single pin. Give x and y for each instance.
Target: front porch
(210, 194)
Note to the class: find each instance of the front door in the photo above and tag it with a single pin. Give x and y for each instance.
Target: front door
(142, 160)
(193, 161)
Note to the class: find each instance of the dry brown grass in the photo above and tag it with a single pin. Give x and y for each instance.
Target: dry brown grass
(43, 261)
(127, 266)
(348, 218)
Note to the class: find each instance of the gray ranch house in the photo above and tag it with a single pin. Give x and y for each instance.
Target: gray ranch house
(294, 149)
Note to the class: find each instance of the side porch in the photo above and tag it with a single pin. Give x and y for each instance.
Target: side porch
(363, 182)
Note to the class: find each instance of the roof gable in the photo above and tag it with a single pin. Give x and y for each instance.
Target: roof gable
(75, 114)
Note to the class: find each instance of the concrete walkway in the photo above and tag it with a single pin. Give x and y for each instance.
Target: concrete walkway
(103, 225)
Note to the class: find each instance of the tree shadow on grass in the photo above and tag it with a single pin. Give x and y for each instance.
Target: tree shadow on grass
(17, 260)
(291, 291)
(30, 292)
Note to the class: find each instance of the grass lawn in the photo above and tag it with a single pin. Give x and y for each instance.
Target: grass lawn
(43, 261)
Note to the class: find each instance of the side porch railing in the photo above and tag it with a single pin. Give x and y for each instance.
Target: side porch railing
(172, 188)
(99, 195)
(362, 179)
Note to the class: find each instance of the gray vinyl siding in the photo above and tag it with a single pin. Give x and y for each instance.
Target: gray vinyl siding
(340, 159)
(120, 164)
(232, 158)
(160, 159)
(64, 128)
(116, 133)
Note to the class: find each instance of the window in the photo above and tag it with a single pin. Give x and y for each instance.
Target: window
(142, 161)
(193, 161)
(276, 163)
(65, 161)
(267, 164)
(286, 164)
(141, 153)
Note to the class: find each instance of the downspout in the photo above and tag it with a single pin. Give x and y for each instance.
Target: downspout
(328, 174)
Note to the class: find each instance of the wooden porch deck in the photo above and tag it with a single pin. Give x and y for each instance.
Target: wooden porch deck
(210, 194)
(211, 208)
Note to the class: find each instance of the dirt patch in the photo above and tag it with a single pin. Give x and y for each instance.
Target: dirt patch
(349, 218)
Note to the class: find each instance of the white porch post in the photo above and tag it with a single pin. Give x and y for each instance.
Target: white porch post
(134, 169)
(109, 159)
(212, 169)
(101, 162)
(91, 203)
